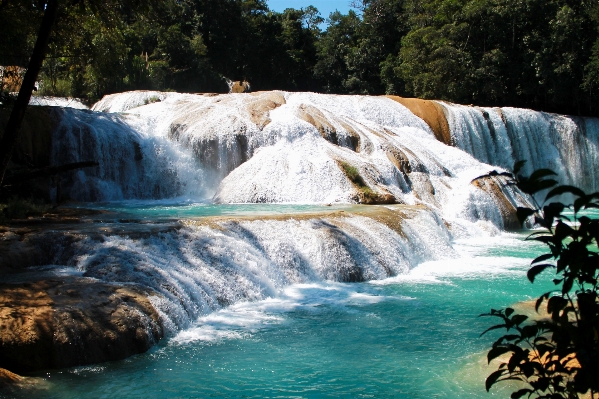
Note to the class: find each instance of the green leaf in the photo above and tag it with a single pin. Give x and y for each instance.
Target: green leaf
(491, 379)
(563, 190)
(540, 300)
(523, 214)
(541, 173)
(562, 230)
(529, 331)
(496, 352)
(580, 203)
(519, 319)
(518, 165)
(541, 258)
(518, 394)
(535, 270)
(545, 184)
(494, 328)
(568, 283)
(556, 303)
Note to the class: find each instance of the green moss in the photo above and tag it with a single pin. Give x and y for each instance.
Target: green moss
(352, 174)
(150, 100)
(18, 208)
(368, 196)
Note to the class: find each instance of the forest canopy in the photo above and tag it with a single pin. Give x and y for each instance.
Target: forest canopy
(540, 54)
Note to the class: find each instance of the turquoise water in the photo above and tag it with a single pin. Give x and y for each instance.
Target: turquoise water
(168, 209)
(413, 336)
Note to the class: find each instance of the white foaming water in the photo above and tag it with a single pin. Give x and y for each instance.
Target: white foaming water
(287, 147)
(292, 148)
(501, 136)
(472, 261)
(212, 264)
(269, 147)
(121, 102)
(64, 102)
(243, 319)
(469, 260)
(133, 164)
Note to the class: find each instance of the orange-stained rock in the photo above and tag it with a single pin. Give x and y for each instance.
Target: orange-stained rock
(8, 378)
(429, 111)
(69, 321)
(262, 103)
(492, 186)
(325, 127)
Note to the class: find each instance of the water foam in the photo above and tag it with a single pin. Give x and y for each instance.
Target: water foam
(291, 148)
(211, 264)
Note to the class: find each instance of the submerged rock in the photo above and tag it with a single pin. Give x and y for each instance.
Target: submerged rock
(69, 321)
(8, 378)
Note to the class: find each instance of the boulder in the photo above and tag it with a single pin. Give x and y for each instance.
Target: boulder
(430, 112)
(69, 321)
(240, 87)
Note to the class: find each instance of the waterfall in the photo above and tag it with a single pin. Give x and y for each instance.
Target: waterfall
(204, 265)
(295, 147)
(133, 165)
(501, 136)
(278, 147)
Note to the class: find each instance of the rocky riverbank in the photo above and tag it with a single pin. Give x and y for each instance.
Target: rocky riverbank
(55, 319)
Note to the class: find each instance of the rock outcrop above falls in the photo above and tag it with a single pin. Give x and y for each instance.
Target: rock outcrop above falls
(280, 147)
(431, 112)
(60, 322)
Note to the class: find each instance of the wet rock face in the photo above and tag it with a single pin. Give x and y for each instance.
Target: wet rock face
(431, 112)
(492, 186)
(71, 321)
(8, 378)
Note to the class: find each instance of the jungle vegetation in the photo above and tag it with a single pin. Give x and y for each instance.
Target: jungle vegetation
(540, 54)
(557, 355)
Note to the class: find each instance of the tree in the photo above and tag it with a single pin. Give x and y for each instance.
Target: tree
(13, 126)
(557, 357)
(334, 49)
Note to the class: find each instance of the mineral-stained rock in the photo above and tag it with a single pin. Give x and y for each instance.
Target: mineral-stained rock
(70, 321)
(431, 112)
(8, 378)
(492, 186)
(261, 104)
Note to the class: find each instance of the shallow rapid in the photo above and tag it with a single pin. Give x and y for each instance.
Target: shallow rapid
(241, 215)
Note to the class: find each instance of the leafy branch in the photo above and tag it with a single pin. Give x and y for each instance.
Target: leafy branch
(556, 357)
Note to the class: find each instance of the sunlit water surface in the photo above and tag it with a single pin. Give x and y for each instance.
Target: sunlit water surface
(151, 210)
(412, 336)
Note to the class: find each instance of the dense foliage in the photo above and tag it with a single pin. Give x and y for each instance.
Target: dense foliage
(556, 356)
(542, 54)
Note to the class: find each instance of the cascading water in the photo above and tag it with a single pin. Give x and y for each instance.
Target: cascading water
(205, 265)
(501, 136)
(133, 165)
(418, 268)
(278, 147)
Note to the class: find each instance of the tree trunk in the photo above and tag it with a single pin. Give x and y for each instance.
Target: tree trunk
(11, 133)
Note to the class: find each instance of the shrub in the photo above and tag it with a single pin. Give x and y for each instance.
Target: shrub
(557, 357)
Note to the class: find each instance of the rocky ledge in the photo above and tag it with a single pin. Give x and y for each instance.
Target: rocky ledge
(65, 321)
